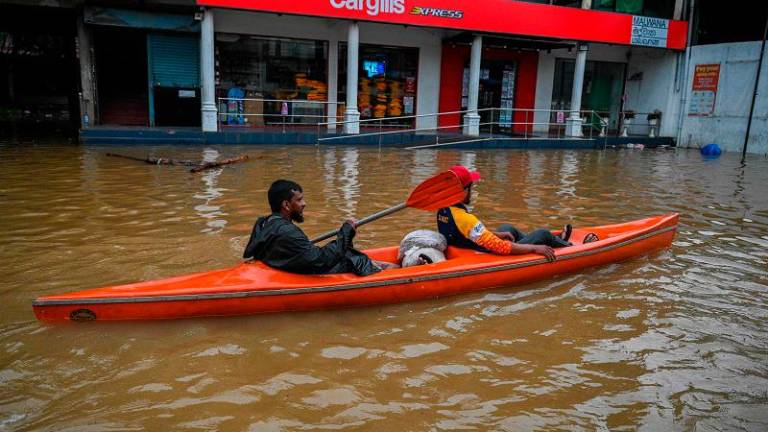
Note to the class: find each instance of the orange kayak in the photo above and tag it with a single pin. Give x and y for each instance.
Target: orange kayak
(253, 287)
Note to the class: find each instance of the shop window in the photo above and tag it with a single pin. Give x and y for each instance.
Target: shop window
(498, 79)
(37, 74)
(601, 92)
(280, 69)
(387, 78)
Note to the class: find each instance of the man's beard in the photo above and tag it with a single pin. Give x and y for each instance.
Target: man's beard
(297, 216)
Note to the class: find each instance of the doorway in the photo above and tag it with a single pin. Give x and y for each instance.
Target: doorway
(498, 80)
(121, 68)
(602, 91)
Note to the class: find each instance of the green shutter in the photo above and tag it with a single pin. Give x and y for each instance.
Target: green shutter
(174, 60)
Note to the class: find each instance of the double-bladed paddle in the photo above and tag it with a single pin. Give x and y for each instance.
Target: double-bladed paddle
(442, 190)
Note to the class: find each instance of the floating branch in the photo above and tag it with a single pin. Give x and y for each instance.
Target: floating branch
(196, 166)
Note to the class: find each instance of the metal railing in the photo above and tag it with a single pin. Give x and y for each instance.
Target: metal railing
(504, 123)
(517, 123)
(259, 112)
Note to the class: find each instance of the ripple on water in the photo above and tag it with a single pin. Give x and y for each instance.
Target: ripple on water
(673, 340)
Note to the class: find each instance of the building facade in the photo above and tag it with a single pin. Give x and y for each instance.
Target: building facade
(524, 67)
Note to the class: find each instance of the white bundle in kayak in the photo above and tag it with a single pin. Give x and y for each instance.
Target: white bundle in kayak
(422, 243)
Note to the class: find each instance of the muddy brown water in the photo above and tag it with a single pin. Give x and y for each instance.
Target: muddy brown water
(675, 340)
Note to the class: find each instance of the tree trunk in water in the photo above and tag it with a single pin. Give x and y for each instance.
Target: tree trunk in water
(196, 166)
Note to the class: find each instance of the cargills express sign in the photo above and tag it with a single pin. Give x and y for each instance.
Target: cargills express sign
(491, 16)
(371, 7)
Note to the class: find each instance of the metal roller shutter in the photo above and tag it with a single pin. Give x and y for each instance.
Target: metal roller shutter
(174, 61)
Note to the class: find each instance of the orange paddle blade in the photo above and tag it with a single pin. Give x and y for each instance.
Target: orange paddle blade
(442, 190)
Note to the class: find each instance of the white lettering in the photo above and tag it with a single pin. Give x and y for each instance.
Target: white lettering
(355, 4)
(372, 7)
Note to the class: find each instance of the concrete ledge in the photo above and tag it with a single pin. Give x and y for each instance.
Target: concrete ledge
(194, 136)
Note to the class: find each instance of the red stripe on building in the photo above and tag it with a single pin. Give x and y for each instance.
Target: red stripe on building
(493, 16)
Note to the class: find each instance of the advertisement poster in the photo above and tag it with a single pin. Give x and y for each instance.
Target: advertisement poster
(704, 91)
(410, 85)
(408, 105)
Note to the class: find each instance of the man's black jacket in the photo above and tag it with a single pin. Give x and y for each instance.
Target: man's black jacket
(279, 243)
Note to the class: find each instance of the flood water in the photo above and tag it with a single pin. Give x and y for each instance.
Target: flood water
(676, 340)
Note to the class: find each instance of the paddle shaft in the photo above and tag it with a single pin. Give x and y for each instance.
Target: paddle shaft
(364, 221)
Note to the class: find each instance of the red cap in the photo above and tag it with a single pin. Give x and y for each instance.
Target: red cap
(466, 176)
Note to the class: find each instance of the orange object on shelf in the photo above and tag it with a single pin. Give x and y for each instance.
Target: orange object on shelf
(253, 287)
(301, 79)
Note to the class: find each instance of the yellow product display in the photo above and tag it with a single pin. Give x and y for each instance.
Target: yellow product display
(381, 98)
(379, 111)
(395, 107)
(301, 79)
(364, 97)
(395, 89)
(318, 90)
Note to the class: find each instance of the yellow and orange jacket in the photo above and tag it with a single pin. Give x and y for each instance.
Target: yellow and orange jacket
(463, 229)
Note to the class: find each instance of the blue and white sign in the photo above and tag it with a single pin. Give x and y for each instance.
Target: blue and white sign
(650, 32)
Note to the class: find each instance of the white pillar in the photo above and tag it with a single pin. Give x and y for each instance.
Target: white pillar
(88, 89)
(333, 82)
(574, 122)
(472, 118)
(352, 115)
(677, 14)
(208, 72)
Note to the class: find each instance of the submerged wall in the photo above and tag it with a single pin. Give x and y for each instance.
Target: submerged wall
(727, 125)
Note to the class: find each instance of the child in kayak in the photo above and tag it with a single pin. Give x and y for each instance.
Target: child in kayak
(465, 230)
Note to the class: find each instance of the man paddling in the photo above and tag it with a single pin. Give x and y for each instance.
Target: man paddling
(463, 229)
(279, 243)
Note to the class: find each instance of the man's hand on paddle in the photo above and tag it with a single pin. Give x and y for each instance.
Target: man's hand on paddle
(547, 251)
(352, 222)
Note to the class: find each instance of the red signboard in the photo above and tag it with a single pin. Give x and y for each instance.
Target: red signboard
(492, 16)
(704, 91)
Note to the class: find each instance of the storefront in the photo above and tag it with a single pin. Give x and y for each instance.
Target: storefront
(147, 67)
(602, 91)
(252, 69)
(300, 63)
(387, 82)
(410, 60)
(38, 68)
(507, 81)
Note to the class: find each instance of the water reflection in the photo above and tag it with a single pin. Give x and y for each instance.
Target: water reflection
(209, 211)
(341, 183)
(348, 181)
(424, 165)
